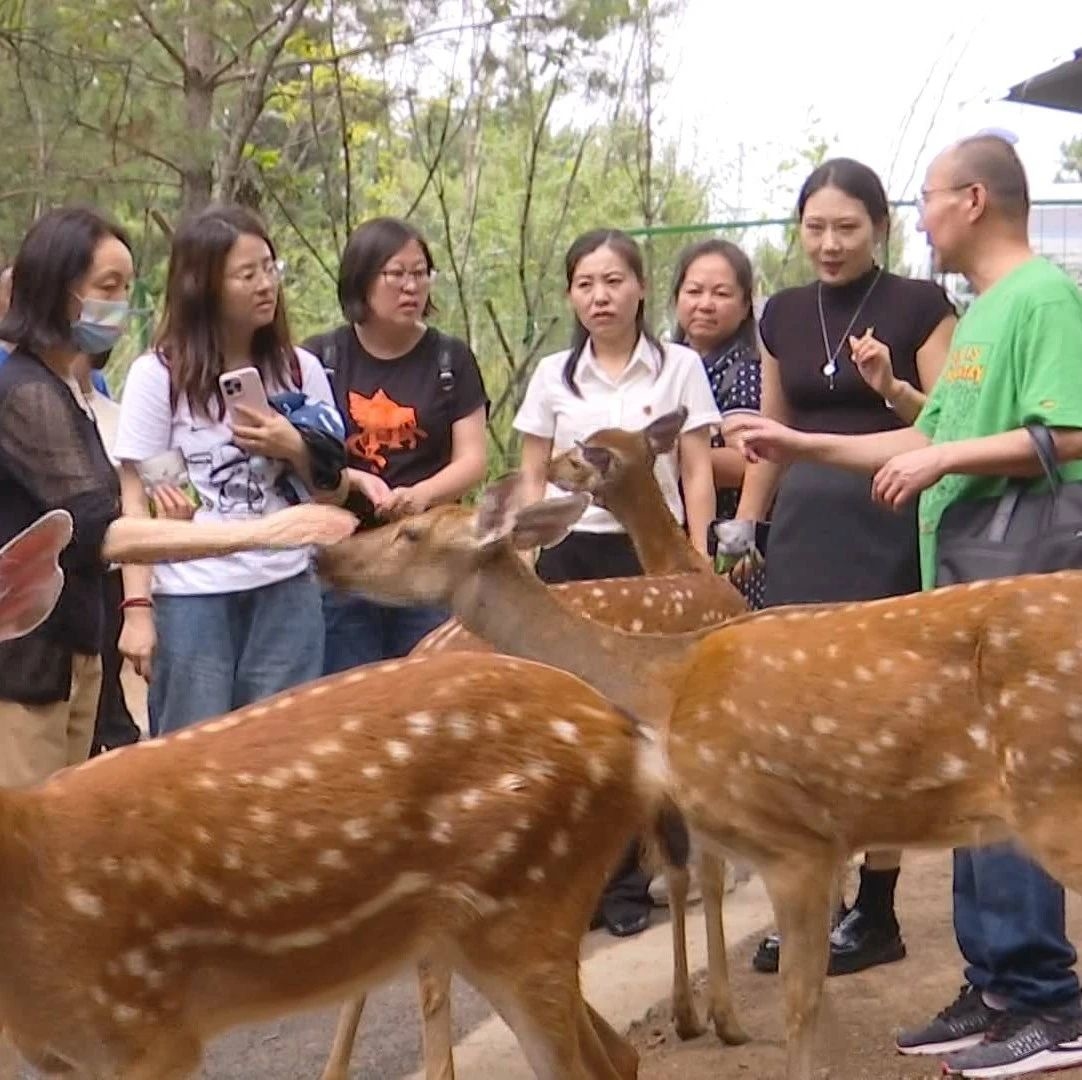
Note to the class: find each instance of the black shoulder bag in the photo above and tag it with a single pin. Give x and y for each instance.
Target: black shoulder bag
(1023, 531)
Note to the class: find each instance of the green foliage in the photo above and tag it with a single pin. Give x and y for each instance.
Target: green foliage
(1071, 165)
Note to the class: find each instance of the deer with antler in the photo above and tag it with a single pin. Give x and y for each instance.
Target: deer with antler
(316, 843)
(945, 719)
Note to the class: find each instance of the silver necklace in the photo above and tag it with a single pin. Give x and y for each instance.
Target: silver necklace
(830, 368)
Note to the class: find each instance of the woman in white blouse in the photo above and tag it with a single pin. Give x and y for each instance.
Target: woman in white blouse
(616, 375)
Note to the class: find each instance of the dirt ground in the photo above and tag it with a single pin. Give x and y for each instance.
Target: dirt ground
(864, 1010)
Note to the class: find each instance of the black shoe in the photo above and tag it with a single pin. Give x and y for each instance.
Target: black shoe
(1021, 1044)
(859, 942)
(624, 919)
(768, 954)
(961, 1024)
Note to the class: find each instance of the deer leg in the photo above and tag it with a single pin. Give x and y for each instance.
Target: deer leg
(598, 1063)
(721, 1011)
(623, 1056)
(801, 888)
(684, 1016)
(434, 985)
(345, 1035)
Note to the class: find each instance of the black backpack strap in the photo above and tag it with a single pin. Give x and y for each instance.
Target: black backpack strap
(445, 371)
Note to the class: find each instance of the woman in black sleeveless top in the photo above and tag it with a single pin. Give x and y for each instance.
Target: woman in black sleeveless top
(854, 352)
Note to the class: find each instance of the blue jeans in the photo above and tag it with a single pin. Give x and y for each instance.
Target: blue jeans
(221, 652)
(1010, 924)
(361, 632)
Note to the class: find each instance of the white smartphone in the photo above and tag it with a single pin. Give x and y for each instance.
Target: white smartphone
(243, 387)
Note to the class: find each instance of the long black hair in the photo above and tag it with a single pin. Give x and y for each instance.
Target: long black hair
(629, 252)
(856, 180)
(742, 271)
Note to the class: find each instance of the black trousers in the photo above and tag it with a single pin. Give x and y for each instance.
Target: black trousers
(113, 725)
(584, 556)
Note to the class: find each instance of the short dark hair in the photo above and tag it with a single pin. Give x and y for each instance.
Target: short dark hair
(855, 179)
(369, 247)
(629, 251)
(742, 271)
(993, 162)
(56, 252)
(189, 336)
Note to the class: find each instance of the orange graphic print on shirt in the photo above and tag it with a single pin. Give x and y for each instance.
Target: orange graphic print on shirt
(382, 424)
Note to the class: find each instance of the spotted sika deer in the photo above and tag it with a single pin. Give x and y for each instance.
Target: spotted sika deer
(466, 557)
(301, 849)
(616, 468)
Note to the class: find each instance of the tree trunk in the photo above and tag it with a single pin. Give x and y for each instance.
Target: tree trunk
(197, 179)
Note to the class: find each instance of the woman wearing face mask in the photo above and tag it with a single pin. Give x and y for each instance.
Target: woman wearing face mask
(615, 375)
(227, 631)
(414, 406)
(854, 352)
(712, 294)
(69, 296)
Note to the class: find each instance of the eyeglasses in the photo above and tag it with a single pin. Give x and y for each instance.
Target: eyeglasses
(396, 277)
(250, 275)
(922, 198)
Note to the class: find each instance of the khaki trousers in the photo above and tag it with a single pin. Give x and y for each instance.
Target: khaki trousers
(38, 740)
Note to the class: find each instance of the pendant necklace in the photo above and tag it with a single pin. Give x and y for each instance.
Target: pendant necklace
(830, 368)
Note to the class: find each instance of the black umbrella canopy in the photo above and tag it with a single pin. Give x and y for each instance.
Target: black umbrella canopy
(1058, 88)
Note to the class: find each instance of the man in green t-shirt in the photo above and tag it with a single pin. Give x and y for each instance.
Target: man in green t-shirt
(1015, 357)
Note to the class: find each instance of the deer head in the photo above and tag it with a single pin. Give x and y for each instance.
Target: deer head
(30, 574)
(427, 558)
(604, 461)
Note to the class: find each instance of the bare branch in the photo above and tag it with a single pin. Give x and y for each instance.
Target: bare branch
(159, 36)
(216, 77)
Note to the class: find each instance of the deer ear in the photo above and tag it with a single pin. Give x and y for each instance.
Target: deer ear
(547, 522)
(599, 458)
(661, 435)
(495, 516)
(30, 574)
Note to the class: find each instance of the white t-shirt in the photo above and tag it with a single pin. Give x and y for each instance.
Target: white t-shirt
(231, 485)
(645, 390)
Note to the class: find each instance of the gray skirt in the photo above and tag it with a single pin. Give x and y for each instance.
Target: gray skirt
(830, 542)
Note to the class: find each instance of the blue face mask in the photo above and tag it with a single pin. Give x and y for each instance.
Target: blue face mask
(99, 326)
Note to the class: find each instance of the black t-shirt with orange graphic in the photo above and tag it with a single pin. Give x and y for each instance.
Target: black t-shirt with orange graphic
(398, 413)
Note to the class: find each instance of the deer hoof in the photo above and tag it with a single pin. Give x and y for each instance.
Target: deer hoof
(728, 1029)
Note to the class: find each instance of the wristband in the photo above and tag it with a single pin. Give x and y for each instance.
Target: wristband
(136, 602)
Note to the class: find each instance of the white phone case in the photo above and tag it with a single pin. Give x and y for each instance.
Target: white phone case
(243, 387)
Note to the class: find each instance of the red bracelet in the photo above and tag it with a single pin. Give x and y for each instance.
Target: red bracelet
(135, 602)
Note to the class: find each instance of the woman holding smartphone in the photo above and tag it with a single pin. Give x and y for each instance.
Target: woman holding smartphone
(227, 631)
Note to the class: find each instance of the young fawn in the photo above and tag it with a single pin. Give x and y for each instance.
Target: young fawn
(453, 555)
(319, 842)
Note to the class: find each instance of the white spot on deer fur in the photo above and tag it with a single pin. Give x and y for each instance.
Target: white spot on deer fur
(302, 830)
(560, 844)
(824, 725)
(352, 725)
(597, 592)
(371, 772)
(541, 771)
(863, 674)
(1033, 609)
(979, 735)
(326, 748)
(1036, 681)
(85, 903)
(332, 859)
(565, 731)
(727, 705)
(887, 740)
(507, 843)
(398, 751)
(231, 859)
(261, 817)
(204, 780)
(1015, 759)
(833, 651)
(1066, 662)
(648, 601)
(224, 724)
(125, 1014)
(885, 665)
(461, 726)
(244, 779)
(706, 755)
(636, 626)
(782, 731)
(356, 830)
(421, 723)
(536, 874)
(136, 963)
(1062, 757)
(471, 799)
(1059, 598)
(580, 802)
(952, 767)
(186, 734)
(511, 782)
(597, 769)
(277, 779)
(799, 656)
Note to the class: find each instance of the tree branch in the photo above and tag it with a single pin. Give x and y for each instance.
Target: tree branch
(159, 36)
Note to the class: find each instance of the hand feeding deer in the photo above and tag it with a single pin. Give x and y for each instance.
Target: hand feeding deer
(316, 842)
(682, 593)
(945, 719)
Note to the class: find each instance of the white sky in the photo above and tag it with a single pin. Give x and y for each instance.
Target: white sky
(754, 72)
